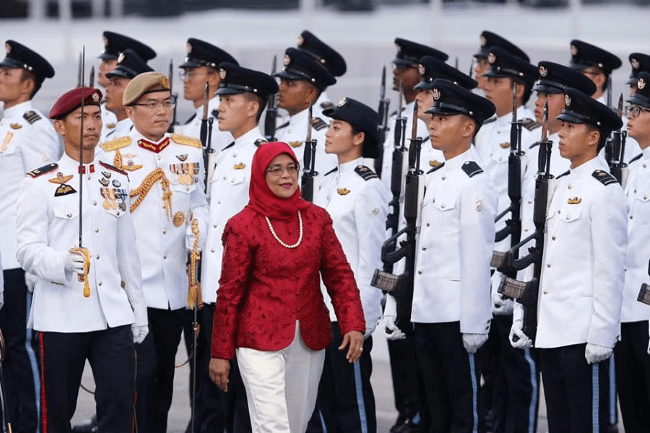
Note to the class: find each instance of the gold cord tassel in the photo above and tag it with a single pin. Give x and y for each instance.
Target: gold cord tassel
(84, 278)
(194, 293)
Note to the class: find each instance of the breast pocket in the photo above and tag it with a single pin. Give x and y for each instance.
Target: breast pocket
(570, 213)
(237, 177)
(640, 211)
(68, 209)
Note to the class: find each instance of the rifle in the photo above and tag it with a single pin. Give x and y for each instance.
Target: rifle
(399, 166)
(617, 165)
(271, 110)
(384, 103)
(526, 293)
(401, 286)
(513, 224)
(205, 135)
(309, 183)
(644, 293)
(174, 95)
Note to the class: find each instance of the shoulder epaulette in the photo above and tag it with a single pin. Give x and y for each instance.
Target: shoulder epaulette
(437, 167)
(529, 124)
(284, 125)
(636, 158)
(603, 177)
(260, 141)
(327, 105)
(112, 167)
(334, 170)
(490, 120)
(187, 141)
(215, 113)
(317, 123)
(566, 173)
(42, 170)
(116, 143)
(471, 168)
(365, 172)
(31, 116)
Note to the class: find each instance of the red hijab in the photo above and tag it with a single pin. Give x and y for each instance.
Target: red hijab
(261, 199)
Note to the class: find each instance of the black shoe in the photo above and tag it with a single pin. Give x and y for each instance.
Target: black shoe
(87, 427)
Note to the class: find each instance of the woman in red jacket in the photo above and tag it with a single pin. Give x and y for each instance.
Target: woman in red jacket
(270, 311)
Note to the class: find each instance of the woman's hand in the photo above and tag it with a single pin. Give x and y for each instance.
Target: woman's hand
(355, 340)
(219, 369)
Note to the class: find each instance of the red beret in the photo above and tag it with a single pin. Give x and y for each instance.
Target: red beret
(70, 101)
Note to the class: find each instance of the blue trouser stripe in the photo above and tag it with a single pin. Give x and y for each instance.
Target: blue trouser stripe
(32, 361)
(612, 391)
(532, 415)
(472, 372)
(596, 398)
(360, 402)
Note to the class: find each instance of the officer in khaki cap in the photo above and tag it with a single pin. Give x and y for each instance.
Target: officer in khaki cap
(167, 190)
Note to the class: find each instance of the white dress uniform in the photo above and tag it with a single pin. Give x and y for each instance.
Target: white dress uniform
(452, 264)
(48, 226)
(229, 195)
(122, 127)
(27, 141)
(357, 201)
(582, 280)
(322, 103)
(164, 235)
(294, 134)
(192, 128)
(109, 122)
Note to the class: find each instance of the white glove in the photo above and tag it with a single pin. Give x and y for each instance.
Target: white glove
(500, 305)
(473, 342)
(391, 331)
(139, 333)
(523, 342)
(595, 353)
(75, 263)
(30, 282)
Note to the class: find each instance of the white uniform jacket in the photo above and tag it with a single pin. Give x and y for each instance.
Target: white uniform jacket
(582, 279)
(322, 103)
(637, 191)
(229, 195)
(109, 123)
(122, 127)
(27, 141)
(164, 235)
(192, 127)
(452, 266)
(48, 226)
(357, 201)
(294, 134)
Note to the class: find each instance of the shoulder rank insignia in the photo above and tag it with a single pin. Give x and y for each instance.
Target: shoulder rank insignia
(317, 123)
(42, 170)
(260, 141)
(636, 158)
(187, 141)
(604, 177)
(574, 200)
(31, 116)
(112, 167)
(342, 191)
(327, 105)
(295, 143)
(436, 167)
(471, 168)
(60, 178)
(16, 126)
(365, 172)
(64, 190)
(334, 170)
(117, 143)
(111, 125)
(529, 124)
(504, 145)
(239, 166)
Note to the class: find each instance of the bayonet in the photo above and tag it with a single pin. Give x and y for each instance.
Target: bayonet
(271, 110)
(91, 77)
(173, 95)
(617, 166)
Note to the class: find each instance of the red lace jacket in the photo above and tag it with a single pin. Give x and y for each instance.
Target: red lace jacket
(265, 287)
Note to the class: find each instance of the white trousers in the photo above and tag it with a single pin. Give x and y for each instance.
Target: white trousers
(281, 386)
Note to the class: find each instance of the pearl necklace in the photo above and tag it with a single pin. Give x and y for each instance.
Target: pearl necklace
(268, 221)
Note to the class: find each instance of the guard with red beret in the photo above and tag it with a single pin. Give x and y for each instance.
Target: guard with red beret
(88, 301)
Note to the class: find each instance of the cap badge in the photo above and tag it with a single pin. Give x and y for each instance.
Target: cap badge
(8, 47)
(567, 100)
(421, 69)
(165, 81)
(222, 73)
(342, 102)
(492, 58)
(301, 40)
(635, 63)
(640, 83)
(543, 71)
(436, 94)
(189, 48)
(95, 97)
(287, 60)
(120, 58)
(574, 50)
(483, 41)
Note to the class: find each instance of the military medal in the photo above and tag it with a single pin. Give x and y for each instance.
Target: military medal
(239, 166)
(574, 200)
(504, 145)
(343, 191)
(106, 174)
(130, 166)
(179, 219)
(182, 157)
(107, 204)
(103, 181)
(16, 126)
(116, 183)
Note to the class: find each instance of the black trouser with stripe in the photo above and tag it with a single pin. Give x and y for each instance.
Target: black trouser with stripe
(111, 355)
